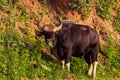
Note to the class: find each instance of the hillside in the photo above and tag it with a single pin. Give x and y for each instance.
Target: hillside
(26, 56)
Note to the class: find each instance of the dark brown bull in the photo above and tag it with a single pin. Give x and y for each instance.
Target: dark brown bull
(74, 40)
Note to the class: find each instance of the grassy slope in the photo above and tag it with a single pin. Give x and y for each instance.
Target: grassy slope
(21, 51)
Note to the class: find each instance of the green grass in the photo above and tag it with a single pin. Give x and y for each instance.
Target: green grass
(116, 22)
(113, 58)
(20, 59)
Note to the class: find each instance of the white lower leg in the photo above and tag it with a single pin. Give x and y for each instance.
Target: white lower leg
(90, 69)
(68, 66)
(94, 69)
(63, 63)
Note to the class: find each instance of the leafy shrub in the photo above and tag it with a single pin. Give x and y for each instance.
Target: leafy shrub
(104, 7)
(17, 60)
(113, 59)
(116, 22)
(83, 7)
(23, 12)
(5, 6)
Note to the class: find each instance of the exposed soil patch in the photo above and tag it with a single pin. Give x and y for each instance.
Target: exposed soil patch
(63, 8)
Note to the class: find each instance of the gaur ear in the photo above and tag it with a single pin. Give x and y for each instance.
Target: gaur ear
(47, 27)
(38, 33)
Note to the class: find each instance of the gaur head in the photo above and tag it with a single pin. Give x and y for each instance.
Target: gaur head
(47, 32)
(50, 30)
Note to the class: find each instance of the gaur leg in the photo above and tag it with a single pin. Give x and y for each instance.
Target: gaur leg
(62, 60)
(58, 53)
(63, 64)
(88, 59)
(68, 54)
(94, 69)
(94, 53)
(62, 57)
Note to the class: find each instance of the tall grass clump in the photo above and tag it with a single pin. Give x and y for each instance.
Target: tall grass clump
(104, 8)
(17, 59)
(83, 6)
(113, 59)
(5, 6)
(116, 22)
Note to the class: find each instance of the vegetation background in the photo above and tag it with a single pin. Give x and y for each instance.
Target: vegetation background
(25, 56)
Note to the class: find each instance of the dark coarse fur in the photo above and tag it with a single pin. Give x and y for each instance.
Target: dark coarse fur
(76, 40)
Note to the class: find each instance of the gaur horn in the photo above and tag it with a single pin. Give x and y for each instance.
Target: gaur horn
(50, 27)
(47, 27)
(39, 26)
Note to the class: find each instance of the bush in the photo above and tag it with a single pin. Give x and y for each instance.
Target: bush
(104, 8)
(83, 7)
(116, 22)
(21, 57)
(17, 60)
(113, 59)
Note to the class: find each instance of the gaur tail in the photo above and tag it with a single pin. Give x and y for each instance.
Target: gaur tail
(101, 51)
(104, 62)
